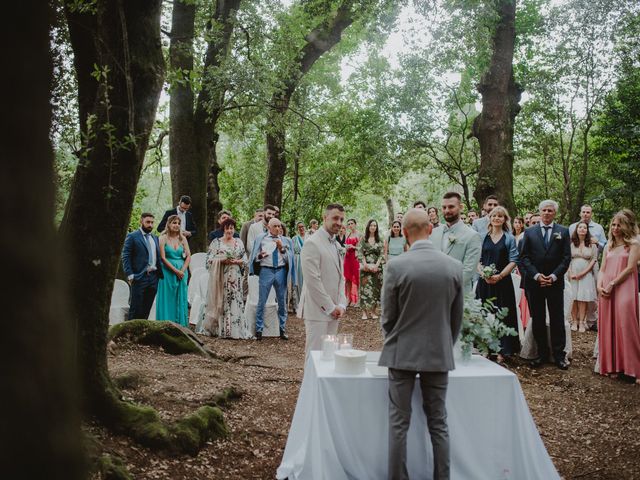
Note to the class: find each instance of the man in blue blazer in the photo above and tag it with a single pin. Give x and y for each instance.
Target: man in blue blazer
(141, 263)
(546, 255)
(272, 260)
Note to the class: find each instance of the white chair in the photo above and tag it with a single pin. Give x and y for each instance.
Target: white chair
(271, 324)
(152, 312)
(119, 310)
(198, 260)
(195, 273)
(199, 285)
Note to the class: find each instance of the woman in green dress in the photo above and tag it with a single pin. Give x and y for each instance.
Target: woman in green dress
(395, 244)
(371, 256)
(171, 302)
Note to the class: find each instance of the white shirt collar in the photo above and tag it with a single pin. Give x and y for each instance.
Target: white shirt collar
(542, 225)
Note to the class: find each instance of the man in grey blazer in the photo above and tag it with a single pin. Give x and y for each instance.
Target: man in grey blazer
(322, 301)
(458, 240)
(422, 305)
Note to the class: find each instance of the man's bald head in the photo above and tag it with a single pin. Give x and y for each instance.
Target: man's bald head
(416, 225)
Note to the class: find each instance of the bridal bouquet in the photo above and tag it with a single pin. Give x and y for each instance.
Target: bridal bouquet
(488, 270)
(481, 327)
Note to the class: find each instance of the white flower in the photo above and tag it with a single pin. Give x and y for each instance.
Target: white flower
(557, 236)
(452, 239)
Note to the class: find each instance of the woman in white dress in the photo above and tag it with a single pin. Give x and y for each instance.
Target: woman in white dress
(224, 314)
(583, 287)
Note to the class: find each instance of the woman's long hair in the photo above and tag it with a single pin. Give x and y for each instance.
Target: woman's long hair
(506, 226)
(629, 232)
(575, 239)
(166, 227)
(391, 235)
(367, 233)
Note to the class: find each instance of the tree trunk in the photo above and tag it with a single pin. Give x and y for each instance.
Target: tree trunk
(122, 38)
(40, 432)
(494, 126)
(188, 176)
(319, 41)
(390, 213)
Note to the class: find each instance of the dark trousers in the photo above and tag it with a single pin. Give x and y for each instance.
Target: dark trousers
(434, 395)
(541, 298)
(143, 292)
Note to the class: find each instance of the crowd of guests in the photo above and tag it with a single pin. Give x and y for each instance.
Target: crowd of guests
(495, 250)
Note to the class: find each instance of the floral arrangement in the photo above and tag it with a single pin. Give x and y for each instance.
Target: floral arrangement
(482, 327)
(488, 270)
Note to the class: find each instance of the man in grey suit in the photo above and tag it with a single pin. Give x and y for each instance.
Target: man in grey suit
(458, 240)
(481, 225)
(422, 305)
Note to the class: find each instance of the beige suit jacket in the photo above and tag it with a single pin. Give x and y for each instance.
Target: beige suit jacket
(422, 307)
(323, 287)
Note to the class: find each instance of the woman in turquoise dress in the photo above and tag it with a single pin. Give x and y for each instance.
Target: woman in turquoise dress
(298, 243)
(395, 243)
(171, 302)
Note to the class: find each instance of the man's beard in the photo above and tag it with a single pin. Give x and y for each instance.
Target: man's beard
(147, 229)
(451, 218)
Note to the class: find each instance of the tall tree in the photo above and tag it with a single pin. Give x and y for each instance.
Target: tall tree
(193, 137)
(40, 432)
(119, 67)
(320, 39)
(495, 125)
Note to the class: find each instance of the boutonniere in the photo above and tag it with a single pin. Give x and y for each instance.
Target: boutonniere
(341, 249)
(557, 236)
(452, 239)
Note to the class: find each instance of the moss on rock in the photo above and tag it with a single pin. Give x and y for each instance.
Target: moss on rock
(174, 339)
(112, 468)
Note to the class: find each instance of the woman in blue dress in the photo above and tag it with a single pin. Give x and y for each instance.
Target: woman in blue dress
(171, 302)
(499, 250)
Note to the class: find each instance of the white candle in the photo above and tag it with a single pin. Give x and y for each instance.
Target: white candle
(328, 348)
(345, 346)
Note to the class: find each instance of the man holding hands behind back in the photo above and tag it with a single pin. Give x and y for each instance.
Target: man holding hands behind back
(422, 305)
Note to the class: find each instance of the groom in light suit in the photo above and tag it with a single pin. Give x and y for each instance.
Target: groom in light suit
(456, 239)
(422, 305)
(322, 301)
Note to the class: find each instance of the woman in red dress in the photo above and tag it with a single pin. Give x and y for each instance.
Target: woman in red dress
(618, 328)
(351, 264)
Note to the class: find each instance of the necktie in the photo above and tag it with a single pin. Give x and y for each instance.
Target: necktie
(152, 250)
(275, 253)
(546, 235)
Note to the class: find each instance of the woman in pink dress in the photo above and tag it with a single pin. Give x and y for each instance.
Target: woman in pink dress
(618, 328)
(351, 263)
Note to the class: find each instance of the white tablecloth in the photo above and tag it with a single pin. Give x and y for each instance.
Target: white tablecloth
(340, 427)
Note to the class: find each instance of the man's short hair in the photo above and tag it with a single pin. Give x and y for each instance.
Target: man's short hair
(586, 205)
(548, 203)
(224, 212)
(449, 195)
(269, 207)
(145, 215)
(185, 199)
(490, 197)
(419, 202)
(336, 206)
(259, 210)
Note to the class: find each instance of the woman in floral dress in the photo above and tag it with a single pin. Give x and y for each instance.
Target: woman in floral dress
(225, 308)
(371, 256)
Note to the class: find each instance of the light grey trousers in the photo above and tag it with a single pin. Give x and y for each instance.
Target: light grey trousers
(434, 394)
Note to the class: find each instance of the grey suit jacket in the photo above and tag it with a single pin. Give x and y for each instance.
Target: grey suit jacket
(466, 246)
(422, 306)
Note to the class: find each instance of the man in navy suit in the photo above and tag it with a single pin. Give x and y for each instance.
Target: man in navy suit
(546, 255)
(141, 262)
(187, 225)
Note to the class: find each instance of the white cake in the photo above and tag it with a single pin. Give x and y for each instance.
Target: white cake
(350, 362)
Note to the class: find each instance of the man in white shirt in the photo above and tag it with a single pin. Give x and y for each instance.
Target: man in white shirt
(258, 228)
(481, 225)
(598, 237)
(272, 260)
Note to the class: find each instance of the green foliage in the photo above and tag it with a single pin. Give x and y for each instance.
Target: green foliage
(482, 326)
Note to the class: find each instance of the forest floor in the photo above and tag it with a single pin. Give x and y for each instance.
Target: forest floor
(590, 424)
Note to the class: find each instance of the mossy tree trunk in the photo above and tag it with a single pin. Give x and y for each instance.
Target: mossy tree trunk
(319, 40)
(40, 433)
(494, 126)
(118, 102)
